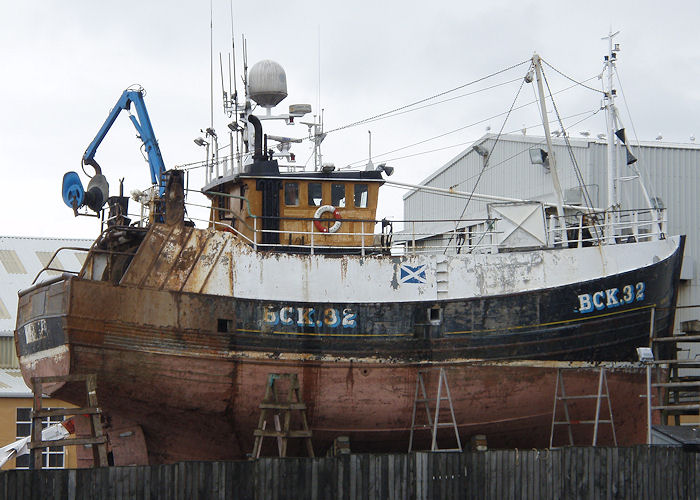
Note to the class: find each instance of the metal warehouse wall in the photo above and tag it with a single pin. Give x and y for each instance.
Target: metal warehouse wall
(672, 172)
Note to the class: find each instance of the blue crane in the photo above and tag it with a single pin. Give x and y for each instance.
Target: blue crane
(73, 194)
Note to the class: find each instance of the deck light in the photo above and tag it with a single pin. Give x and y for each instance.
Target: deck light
(383, 167)
(538, 156)
(645, 354)
(480, 150)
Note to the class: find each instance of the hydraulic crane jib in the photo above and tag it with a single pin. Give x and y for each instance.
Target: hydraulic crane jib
(98, 189)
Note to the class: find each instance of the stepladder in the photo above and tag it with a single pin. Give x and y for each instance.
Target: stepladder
(564, 404)
(279, 417)
(441, 416)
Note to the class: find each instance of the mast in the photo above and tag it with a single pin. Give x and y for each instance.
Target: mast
(610, 121)
(612, 157)
(614, 123)
(536, 61)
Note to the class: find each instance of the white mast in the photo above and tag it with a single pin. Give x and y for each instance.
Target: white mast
(536, 61)
(610, 120)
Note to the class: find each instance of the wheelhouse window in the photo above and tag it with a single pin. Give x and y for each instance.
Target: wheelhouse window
(360, 195)
(338, 195)
(291, 194)
(315, 194)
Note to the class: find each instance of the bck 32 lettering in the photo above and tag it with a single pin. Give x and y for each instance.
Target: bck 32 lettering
(611, 298)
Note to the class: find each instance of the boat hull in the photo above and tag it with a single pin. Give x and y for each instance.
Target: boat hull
(190, 369)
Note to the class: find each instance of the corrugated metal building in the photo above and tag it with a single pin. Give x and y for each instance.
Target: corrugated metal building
(21, 261)
(671, 171)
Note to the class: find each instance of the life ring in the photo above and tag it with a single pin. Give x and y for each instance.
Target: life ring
(327, 209)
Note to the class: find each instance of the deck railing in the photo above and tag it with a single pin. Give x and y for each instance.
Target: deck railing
(425, 236)
(610, 227)
(226, 167)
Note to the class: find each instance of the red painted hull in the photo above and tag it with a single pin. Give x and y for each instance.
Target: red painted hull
(207, 408)
(197, 397)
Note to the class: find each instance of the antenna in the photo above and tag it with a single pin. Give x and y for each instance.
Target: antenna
(223, 89)
(370, 165)
(233, 91)
(211, 63)
(318, 95)
(245, 68)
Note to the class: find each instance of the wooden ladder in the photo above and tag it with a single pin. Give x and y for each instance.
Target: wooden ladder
(433, 422)
(602, 394)
(272, 403)
(98, 441)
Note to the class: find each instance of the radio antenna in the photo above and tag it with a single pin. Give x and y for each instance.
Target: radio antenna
(318, 95)
(211, 64)
(234, 90)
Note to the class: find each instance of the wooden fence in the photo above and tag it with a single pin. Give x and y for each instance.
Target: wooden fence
(639, 473)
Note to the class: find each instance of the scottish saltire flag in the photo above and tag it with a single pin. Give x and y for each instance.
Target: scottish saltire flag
(411, 274)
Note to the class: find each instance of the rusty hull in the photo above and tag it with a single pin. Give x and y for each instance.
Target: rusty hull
(164, 368)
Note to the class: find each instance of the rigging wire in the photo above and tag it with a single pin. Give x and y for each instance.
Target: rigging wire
(202, 163)
(485, 163)
(421, 101)
(589, 114)
(484, 89)
(364, 160)
(508, 159)
(635, 166)
(573, 80)
(579, 176)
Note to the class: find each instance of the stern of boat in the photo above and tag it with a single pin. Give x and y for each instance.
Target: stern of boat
(41, 338)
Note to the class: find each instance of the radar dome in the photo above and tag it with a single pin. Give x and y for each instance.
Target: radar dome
(267, 83)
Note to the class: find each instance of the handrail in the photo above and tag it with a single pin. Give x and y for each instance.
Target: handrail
(48, 267)
(589, 229)
(611, 226)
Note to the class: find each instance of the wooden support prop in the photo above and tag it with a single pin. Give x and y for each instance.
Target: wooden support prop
(98, 440)
(282, 430)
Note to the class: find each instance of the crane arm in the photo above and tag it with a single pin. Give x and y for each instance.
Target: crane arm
(145, 131)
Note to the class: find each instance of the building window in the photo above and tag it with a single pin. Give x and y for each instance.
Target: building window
(315, 194)
(291, 194)
(338, 195)
(360, 195)
(52, 458)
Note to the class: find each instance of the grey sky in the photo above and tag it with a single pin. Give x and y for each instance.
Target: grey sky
(66, 63)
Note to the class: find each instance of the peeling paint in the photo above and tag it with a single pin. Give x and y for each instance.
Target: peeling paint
(244, 273)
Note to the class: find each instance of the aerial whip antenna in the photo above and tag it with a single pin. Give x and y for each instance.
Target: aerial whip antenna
(318, 95)
(234, 91)
(211, 64)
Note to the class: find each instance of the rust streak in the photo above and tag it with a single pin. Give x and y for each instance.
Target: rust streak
(211, 267)
(185, 234)
(155, 257)
(200, 248)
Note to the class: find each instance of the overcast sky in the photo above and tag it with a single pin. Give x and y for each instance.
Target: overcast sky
(64, 64)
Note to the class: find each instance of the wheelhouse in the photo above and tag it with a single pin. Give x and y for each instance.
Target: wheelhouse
(297, 210)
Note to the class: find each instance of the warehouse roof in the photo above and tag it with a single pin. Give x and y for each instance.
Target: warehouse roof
(12, 385)
(22, 259)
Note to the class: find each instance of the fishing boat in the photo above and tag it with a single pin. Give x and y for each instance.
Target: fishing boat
(184, 325)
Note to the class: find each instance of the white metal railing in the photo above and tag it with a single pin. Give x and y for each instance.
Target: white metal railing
(227, 167)
(458, 241)
(610, 227)
(420, 236)
(406, 242)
